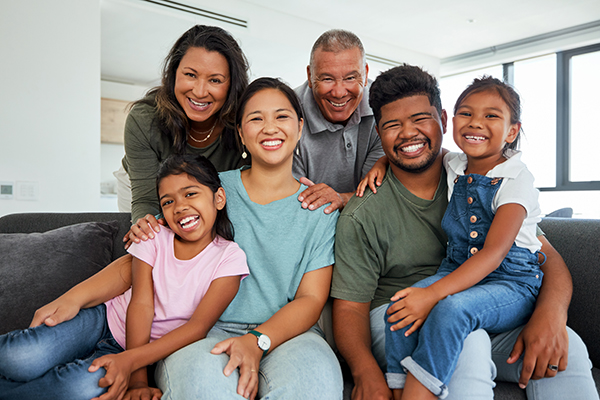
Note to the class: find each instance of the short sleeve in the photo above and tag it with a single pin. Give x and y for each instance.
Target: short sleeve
(322, 246)
(233, 263)
(356, 270)
(521, 191)
(147, 251)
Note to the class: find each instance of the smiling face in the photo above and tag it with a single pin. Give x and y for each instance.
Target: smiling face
(269, 128)
(190, 208)
(201, 84)
(337, 80)
(482, 127)
(411, 132)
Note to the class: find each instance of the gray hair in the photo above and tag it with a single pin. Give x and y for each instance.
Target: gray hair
(337, 40)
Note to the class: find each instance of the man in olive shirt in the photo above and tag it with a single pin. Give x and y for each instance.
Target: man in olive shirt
(389, 240)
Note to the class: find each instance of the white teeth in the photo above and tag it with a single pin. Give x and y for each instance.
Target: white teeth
(188, 221)
(338, 104)
(414, 147)
(198, 104)
(272, 142)
(479, 138)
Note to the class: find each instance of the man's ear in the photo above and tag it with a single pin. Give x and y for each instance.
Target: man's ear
(308, 76)
(366, 74)
(444, 118)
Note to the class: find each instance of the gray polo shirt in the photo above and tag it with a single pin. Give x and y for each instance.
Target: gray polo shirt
(334, 154)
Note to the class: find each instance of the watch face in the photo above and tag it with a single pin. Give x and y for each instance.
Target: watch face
(264, 342)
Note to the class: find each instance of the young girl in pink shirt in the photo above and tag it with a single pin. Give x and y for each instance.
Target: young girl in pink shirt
(181, 283)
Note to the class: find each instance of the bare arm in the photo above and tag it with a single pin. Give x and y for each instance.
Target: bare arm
(544, 340)
(294, 318)
(352, 334)
(103, 286)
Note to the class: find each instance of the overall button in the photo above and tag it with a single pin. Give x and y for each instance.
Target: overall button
(473, 234)
(470, 179)
(474, 250)
(456, 180)
(473, 219)
(470, 200)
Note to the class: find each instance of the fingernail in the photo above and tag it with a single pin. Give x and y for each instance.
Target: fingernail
(304, 205)
(144, 237)
(311, 207)
(151, 235)
(522, 386)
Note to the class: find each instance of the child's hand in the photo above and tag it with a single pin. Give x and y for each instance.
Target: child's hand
(373, 177)
(143, 229)
(245, 355)
(412, 306)
(52, 314)
(142, 392)
(118, 370)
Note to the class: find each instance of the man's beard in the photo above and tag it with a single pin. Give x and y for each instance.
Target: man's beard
(414, 168)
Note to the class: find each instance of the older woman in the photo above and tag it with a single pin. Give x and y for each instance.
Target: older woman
(192, 111)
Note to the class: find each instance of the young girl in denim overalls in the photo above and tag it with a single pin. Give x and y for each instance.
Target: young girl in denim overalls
(490, 277)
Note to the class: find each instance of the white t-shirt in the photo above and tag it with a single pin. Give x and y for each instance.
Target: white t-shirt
(517, 187)
(179, 285)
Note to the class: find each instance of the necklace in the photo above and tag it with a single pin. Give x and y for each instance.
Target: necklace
(210, 131)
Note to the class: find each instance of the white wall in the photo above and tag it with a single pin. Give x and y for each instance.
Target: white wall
(50, 103)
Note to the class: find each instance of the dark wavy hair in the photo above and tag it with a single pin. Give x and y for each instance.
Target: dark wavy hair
(173, 121)
(506, 92)
(202, 170)
(400, 82)
(268, 83)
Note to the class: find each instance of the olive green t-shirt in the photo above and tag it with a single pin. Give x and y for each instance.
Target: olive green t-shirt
(388, 241)
(146, 147)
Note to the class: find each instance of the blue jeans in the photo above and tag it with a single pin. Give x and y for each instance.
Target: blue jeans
(51, 362)
(303, 367)
(475, 371)
(430, 354)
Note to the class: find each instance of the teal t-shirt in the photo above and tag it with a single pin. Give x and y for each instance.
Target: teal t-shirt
(282, 242)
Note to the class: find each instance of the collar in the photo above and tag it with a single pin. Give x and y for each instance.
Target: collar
(510, 168)
(314, 119)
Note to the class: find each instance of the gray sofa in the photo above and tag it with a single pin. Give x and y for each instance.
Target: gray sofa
(37, 268)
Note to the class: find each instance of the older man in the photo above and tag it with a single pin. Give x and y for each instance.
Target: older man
(339, 144)
(390, 240)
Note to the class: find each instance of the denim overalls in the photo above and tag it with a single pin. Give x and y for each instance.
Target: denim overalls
(502, 301)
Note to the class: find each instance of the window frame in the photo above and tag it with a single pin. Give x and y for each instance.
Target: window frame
(563, 121)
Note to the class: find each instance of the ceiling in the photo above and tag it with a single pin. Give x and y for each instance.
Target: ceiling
(136, 34)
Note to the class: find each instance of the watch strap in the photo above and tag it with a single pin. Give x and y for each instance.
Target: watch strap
(258, 335)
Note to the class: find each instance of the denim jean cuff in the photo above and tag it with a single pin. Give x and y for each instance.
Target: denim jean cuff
(395, 380)
(433, 384)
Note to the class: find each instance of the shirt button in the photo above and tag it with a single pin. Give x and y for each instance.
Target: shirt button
(470, 179)
(474, 250)
(470, 200)
(473, 219)
(473, 234)
(348, 145)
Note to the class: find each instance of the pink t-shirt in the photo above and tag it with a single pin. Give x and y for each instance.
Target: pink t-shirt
(179, 285)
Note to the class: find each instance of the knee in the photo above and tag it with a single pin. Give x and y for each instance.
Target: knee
(21, 359)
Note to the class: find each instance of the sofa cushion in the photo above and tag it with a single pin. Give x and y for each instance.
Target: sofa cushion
(36, 268)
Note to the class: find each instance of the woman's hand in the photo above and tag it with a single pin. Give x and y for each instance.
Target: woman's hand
(118, 370)
(411, 305)
(143, 229)
(52, 314)
(244, 353)
(373, 178)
